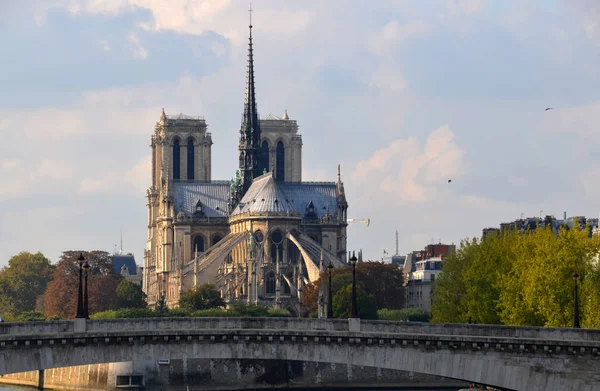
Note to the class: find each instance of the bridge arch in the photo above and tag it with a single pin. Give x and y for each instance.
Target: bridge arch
(509, 362)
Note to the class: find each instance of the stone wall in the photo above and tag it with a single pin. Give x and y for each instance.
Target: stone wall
(199, 374)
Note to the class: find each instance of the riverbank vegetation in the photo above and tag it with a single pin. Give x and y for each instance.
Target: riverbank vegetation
(521, 279)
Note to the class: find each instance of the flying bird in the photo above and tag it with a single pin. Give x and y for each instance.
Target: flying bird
(449, 180)
(549, 108)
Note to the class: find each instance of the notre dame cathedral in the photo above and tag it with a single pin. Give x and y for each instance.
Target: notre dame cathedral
(261, 237)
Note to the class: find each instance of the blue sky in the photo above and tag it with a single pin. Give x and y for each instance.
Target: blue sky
(403, 94)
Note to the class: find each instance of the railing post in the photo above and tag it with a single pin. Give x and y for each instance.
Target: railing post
(80, 325)
(354, 325)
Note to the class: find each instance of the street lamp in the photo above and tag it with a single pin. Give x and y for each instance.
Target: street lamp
(330, 295)
(86, 308)
(575, 302)
(80, 313)
(354, 313)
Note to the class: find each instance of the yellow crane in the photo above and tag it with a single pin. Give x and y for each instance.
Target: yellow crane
(366, 222)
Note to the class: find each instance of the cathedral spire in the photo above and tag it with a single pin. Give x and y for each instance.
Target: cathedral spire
(250, 135)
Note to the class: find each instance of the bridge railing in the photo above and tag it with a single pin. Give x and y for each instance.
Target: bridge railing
(52, 327)
(300, 324)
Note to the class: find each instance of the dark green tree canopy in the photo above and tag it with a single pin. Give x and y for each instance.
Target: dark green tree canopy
(23, 281)
(201, 298)
(131, 295)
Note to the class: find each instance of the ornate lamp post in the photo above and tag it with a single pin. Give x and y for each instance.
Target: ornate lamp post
(330, 295)
(80, 313)
(354, 312)
(86, 308)
(575, 302)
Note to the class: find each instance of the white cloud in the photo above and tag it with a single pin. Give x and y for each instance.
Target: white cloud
(138, 49)
(388, 78)
(412, 173)
(394, 33)
(466, 7)
(135, 180)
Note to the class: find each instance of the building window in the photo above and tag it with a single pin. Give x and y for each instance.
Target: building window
(176, 160)
(270, 283)
(198, 245)
(286, 286)
(216, 239)
(276, 246)
(280, 162)
(190, 158)
(264, 157)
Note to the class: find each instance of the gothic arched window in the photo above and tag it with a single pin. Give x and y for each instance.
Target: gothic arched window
(176, 160)
(198, 244)
(286, 287)
(216, 239)
(264, 157)
(270, 283)
(280, 162)
(276, 246)
(190, 158)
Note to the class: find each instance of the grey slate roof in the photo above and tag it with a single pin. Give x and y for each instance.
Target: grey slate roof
(292, 197)
(213, 195)
(118, 261)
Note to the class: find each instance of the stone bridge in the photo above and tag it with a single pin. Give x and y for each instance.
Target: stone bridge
(514, 358)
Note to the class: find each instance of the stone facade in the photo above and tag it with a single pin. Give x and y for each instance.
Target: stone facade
(259, 237)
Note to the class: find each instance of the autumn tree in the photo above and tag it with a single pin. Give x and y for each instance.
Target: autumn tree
(131, 295)
(201, 298)
(520, 279)
(22, 281)
(381, 281)
(61, 293)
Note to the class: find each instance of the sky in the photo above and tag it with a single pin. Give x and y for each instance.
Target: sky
(404, 94)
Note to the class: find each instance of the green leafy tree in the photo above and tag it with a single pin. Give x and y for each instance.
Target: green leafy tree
(131, 295)
(520, 279)
(161, 305)
(383, 281)
(202, 297)
(366, 303)
(23, 281)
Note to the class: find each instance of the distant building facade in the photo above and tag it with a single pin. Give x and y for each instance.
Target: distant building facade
(421, 268)
(419, 287)
(124, 265)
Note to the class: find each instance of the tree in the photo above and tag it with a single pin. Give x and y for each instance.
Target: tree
(366, 303)
(520, 279)
(161, 305)
(201, 298)
(383, 281)
(131, 295)
(22, 281)
(61, 293)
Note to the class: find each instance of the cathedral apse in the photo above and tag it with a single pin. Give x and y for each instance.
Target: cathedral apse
(259, 237)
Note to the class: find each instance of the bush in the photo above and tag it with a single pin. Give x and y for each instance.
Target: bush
(278, 313)
(177, 313)
(211, 312)
(404, 315)
(124, 313)
(30, 316)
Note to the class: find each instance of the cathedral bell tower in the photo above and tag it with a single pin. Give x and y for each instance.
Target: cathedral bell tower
(250, 137)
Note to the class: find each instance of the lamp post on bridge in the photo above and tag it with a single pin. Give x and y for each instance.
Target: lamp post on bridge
(354, 312)
(330, 295)
(80, 310)
(86, 308)
(575, 302)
